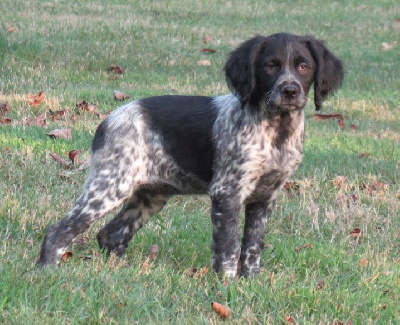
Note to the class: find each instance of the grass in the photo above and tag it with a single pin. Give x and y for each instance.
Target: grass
(349, 178)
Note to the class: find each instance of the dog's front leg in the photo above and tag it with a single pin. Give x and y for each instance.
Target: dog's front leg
(257, 215)
(225, 244)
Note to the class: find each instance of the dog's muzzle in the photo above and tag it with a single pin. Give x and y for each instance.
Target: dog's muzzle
(288, 96)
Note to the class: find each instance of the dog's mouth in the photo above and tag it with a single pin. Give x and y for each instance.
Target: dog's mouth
(286, 97)
(289, 106)
(283, 104)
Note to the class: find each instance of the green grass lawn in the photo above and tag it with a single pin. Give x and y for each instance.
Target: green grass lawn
(348, 181)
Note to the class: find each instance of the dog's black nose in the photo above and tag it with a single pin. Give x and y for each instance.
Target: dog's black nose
(290, 91)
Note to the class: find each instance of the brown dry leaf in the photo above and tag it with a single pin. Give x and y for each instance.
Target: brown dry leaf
(60, 160)
(372, 188)
(56, 115)
(364, 155)
(3, 109)
(84, 106)
(289, 319)
(11, 29)
(364, 262)
(341, 123)
(354, 197)
(339, 182)
(389, 46)
(60, 133)
(292, 188)
(299, 248)
(207, 39)
(5, 120)
(355, 233)
(73, 155)
(36, 100)
(191, 273)
(66, 256)
(102, 116)
(208, 50)
(320, 285)
(204, 63)
(223, 311)
(118, 95)
(327, 117)
(116, 69)
(153, 252)
(38, 121)
(201, 273)
(353, 127)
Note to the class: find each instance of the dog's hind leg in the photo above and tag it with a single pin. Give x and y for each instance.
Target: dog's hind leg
(102, 193)
(115, 236)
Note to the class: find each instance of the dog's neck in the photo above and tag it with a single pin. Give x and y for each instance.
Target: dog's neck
(288, 125)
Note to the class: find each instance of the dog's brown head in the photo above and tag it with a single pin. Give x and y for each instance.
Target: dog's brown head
(277, 71)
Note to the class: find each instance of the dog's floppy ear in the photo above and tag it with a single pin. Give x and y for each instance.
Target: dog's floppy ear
(240, 70)
(328, 73)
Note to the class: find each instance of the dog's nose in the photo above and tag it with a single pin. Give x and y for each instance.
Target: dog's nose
(290, 91)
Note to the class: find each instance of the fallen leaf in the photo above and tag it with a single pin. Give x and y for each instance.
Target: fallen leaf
(191, 273)
(84, 106)
(60, 133)
(104, 115)
(223, 311)
(118, 95)
(371, 188)
(320, 285)
(327, 117)
(289, 319)
(364, 155)
(339, 182)
(292, 187)
(56, 115)
(207, 39)
(299, 248)
(341, 123)
(12, 29)
(61, 161)
(116, 69)
(353, 127)
(5, 120)
(355, 233)
(364, 262)
(66, 256)
(38, 121)
(389, 46)
(153, 252)
(204, 63)
(208, 50)
(73, 155)
(3, 109)
(203, 271)
(36, 100)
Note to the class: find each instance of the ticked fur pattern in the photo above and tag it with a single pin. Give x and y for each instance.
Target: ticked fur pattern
(239, 148)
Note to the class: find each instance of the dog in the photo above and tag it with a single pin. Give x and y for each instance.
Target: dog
(239, 148)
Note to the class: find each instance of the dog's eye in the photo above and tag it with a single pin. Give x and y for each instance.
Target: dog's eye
(302, 67)
(271, 66)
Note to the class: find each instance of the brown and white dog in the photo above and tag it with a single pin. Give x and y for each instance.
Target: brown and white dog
(239, 149)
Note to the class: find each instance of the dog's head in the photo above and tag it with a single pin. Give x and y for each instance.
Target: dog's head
(277, 71)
